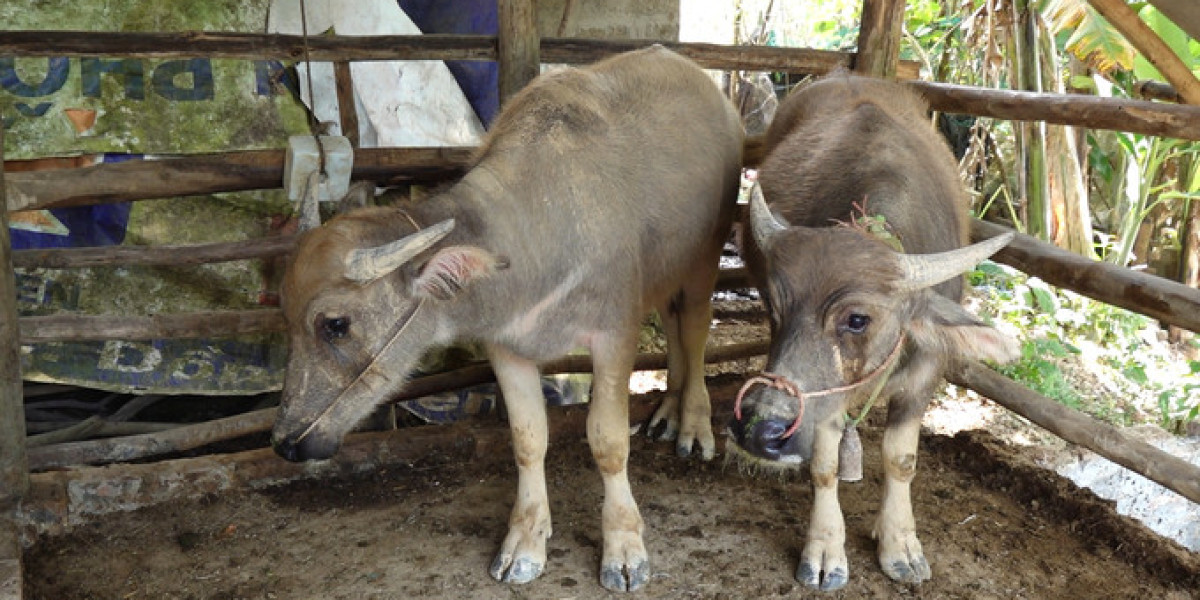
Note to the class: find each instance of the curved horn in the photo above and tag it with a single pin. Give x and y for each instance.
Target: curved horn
(763, 223)
(925, 270)
(368, 264)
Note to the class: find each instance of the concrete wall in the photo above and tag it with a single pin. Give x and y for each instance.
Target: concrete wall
(612, 19)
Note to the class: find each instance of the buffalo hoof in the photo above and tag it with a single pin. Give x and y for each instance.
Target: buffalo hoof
(625, 578)
(521, 570)
(810, 576)
(914, 569)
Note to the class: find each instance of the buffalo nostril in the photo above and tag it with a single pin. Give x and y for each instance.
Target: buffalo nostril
(287, 449)
(769, 437)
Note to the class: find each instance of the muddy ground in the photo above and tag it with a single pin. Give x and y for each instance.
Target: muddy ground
(992, 523)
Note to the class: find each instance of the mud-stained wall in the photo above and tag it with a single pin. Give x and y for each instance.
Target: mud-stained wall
(610, 19)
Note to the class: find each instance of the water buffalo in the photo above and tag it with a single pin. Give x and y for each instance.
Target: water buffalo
(599, 194)
(854, 296)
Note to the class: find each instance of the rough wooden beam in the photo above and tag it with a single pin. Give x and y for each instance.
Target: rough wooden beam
(1162, 299)
(1151, 46)
(879, 38)
(1137, 116)
(59, 328)
(11, 577)
(186, 255)
(212, 173)
(1171, 472)
(519, 51)
(128, 448)
(248, 46)
(13, 470)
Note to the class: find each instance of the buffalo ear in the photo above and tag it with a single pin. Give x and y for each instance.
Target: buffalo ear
(453, 268)
(946, 325)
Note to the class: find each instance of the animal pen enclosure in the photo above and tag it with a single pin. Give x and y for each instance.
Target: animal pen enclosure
(63, 492)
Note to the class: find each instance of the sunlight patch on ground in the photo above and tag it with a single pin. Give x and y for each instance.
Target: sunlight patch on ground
(648, 381)
(959, 410)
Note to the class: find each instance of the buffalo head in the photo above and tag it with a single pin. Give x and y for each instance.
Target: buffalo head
(846, 310)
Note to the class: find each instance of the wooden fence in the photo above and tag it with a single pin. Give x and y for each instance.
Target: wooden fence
(518, 51)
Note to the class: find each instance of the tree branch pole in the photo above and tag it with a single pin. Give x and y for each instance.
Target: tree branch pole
(123, 449)
(1171, 472)
(1151, 46)
(1168, 301)
(14, 467)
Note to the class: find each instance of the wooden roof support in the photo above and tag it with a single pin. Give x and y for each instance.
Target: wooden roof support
(1151, 46)
(879, 36)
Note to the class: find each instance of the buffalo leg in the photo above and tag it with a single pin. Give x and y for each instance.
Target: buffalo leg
(823, 562)
(624, 565)
(900, 553)
(686, 409)
(522, 555)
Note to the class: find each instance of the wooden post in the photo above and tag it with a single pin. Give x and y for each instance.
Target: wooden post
(345, 97)
(14, 470)
(518, 45)
(879, 38)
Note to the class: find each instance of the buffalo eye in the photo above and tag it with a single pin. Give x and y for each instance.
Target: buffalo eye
(856, 323)
(333, 328)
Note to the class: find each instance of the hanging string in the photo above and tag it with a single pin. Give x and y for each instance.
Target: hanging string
(314, 126)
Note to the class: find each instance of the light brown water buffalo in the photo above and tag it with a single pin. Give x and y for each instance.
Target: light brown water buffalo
(848, 307)
(600, 193)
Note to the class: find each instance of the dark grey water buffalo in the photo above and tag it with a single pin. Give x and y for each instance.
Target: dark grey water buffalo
(600, 193)
(848, 307)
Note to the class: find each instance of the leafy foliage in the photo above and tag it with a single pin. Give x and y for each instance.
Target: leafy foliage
(1091, 38)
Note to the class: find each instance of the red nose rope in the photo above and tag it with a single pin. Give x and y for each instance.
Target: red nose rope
(790, 388)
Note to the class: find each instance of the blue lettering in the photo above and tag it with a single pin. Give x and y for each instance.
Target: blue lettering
(202, 80)
(56, 76)
(131, 69)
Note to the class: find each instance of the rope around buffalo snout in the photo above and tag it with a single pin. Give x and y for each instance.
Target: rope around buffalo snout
(790, 388)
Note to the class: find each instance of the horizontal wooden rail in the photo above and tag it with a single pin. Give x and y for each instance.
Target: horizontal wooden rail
(1092, 112)
(161, 256)
(213, 173)
(261, 46)
(1153, 296)
(189, 437)
(75, 328)
(1170, 471)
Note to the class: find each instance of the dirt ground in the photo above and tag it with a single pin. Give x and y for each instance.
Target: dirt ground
(992, 523)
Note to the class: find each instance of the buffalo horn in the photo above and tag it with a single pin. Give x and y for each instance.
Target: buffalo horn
(368, 264)
(925, 270)
(763, 223)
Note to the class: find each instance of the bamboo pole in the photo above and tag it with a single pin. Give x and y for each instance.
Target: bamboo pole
(1151, 46)
(879, 38)
(519, 53)
(1157, 297)
(1171, 472)
(128, 448)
